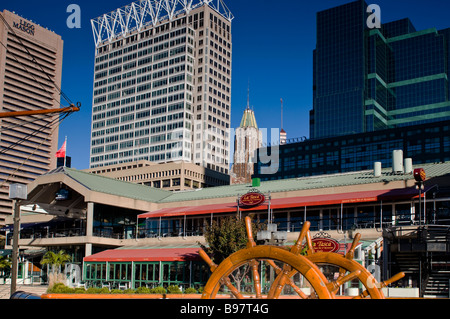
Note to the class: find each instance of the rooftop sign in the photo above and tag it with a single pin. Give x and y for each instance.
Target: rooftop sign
(24, 26)
(251, 199)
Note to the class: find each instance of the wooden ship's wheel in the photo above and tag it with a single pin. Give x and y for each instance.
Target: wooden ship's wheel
(345, 266)
(285, 265)
(248, 263)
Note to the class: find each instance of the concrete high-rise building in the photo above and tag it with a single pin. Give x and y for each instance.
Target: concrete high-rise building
(162, 84)
(30, 77)
(248, 138)
(368, 78)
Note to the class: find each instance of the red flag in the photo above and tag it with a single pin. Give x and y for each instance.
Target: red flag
(62, 151)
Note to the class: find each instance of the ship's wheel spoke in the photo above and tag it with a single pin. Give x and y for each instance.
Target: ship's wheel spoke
(271, 271)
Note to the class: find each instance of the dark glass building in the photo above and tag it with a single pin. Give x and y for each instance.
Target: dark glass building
(423, 143)
(370, 79)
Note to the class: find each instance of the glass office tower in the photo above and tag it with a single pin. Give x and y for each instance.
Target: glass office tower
(372, 79)
(423, 143)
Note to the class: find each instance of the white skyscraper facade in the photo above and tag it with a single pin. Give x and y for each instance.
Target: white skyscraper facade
(162, 84)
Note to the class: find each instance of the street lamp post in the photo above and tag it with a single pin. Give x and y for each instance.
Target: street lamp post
(17, 192)
(420, 177)
(15, 250)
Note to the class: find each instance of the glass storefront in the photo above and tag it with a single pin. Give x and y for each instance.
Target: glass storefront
(146, 274)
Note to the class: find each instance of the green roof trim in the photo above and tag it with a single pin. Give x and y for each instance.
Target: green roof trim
(412, 35)
(441, 76)
(112, 186)
(248, 119)
(146, 193)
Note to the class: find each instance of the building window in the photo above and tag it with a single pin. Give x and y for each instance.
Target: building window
(176, 182)
(166, 183)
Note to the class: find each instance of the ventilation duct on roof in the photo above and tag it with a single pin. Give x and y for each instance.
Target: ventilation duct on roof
(397, 162)
(377, 169)
(408, 166)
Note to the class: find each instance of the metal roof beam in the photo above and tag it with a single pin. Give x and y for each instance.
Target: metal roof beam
(139, 14)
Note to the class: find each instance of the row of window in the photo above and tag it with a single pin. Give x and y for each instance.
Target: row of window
(146, 274)
(159, 43)
(359, 152)
(321, 218)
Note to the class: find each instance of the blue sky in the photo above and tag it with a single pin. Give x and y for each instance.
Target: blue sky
(272, 49)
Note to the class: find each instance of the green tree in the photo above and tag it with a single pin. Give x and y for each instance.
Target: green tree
(55, 260)
(5, 265)
(225, 237)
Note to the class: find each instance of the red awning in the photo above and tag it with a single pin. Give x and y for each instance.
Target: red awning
(164, 254)
(292, 202)
(190, 210)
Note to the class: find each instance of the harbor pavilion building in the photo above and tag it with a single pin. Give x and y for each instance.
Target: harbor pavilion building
(134, 235)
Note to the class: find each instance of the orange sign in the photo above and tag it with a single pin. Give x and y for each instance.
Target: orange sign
(252, 199)
(420, 175)
(325, 245)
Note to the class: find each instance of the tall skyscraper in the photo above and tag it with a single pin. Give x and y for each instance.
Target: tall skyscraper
(368, 79)
(162, 84)
(248, 138)
(30, 75)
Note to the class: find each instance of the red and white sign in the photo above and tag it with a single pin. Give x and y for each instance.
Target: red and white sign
(325, 245)
(252, 199)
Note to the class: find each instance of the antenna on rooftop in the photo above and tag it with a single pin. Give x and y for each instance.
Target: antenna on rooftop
(283, 135)
(248, 95)
(281, 113)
